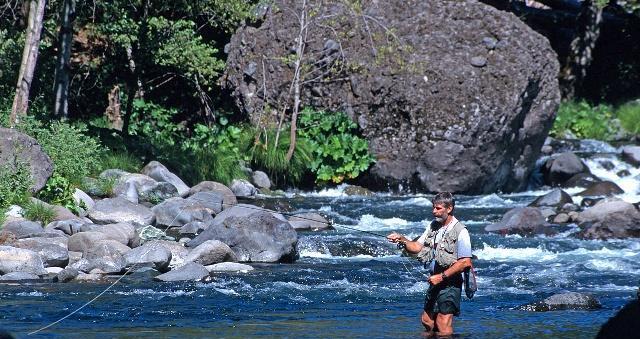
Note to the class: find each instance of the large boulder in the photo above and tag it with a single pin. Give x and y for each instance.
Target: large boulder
(228, 198)
(601, 188)
(18, 146)
(309, 222)
(561, 167)
(53, 254)
(256, 237)
(179, 211)
(20, 260)
(116, 210)
(631, 154)
(556, 198)
(23, 229)
(211, 252)
(564, 301)
(609, 219)
(521, 220)
(447, 102)
(160, 173)
(151, 253)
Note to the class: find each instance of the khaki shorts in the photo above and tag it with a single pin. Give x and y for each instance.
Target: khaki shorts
(443, 299)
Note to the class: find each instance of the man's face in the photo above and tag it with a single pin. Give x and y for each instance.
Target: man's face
(441, 213)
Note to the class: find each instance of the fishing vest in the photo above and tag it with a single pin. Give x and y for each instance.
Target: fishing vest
(446, 252)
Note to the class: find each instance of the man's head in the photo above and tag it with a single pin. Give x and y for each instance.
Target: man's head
(443, 205)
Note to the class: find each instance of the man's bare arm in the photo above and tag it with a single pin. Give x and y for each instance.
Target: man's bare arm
(412, 247)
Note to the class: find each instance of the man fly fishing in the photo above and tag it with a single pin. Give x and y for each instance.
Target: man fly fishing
(445, 246)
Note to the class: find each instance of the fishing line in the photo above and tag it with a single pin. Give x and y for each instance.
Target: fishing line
(115, 282)
(224, 204)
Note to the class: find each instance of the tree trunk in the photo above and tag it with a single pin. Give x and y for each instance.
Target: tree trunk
(296, 82)
(29, 60)
(581, 49)
(135, 87)
(65, 37)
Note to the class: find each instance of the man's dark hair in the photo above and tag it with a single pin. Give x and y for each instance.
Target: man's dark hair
(444, 198)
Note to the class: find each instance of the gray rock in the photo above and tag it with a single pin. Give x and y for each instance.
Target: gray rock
(160, 192)
(149, 232)
(229, 267)
(357, 190)
(116, 210)
(561, 218)
(189, 271)
(152, 253)
(115, 245)
(489, 144)
(256, 237)
(52, 254)
(123, 232)
(178, 251)
(521, 220)
(15, 145)
(83, 200)
(178, 211)
(106, 257)
(113, 174)
(242, 188)
(19, 276)
(228, 198)
(193, 228)
(602, 188)
(211, 252)
(309, 221)
(561, 167)
(69, 227)
(67, 275)
(81, 242)
(88, 276)
(581, 180)
(159, 172)
(478, 61)
(609, 219)
(212, 201)
(631, 154)
(260, 180)
(23, 229)
(130, 185)
(555, 198)
(20, 260)
(564, 301)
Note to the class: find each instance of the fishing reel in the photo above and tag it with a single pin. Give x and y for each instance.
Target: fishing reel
(401, 245)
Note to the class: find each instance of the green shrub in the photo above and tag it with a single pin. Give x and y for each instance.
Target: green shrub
(629, 116)
(120, 160)
(3, 216)
(15, 182)
(38, 211)
(338, 153)
(584, 121)
(156, 123)
(264, 154)
(59, 191)
(74, 154)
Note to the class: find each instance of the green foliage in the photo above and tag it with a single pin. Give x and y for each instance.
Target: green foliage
(629, 116)
(266, 155)
(37, 211)
(74, 153)
(155, 122)
(584, 121)
(120, 160)
(3, 216)
(59, 191)
(15, 181)
(338, 153)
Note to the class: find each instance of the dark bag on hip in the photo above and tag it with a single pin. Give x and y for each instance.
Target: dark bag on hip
(470, 283)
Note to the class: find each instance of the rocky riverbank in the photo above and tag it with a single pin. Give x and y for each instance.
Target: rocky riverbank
(152, 221)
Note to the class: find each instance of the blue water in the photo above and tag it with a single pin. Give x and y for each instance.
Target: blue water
(351, 284)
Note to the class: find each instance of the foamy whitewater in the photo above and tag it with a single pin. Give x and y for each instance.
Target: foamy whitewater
(349, 283)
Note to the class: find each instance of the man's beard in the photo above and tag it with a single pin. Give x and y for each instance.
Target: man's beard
(441, 219)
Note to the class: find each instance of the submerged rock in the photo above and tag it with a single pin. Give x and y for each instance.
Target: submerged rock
(564, 301)
(189, 271)
(521, 220)
(624, 324)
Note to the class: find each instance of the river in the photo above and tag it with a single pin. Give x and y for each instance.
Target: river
(349, 283)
